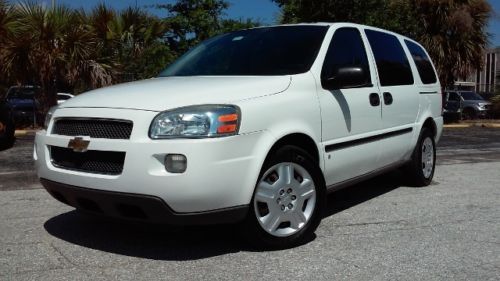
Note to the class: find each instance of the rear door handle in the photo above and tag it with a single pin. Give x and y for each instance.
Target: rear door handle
(387, 98)
(374, 99)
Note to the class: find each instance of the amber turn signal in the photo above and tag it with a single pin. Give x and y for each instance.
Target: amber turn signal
(226, 129)
(228, 118)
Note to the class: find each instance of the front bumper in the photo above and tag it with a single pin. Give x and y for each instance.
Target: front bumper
(136, 207)
(24, 116)
(221, 172)
(482, 113)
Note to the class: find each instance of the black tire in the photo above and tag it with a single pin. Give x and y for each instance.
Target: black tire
(252, 229)
(7, 131)
(415, 168)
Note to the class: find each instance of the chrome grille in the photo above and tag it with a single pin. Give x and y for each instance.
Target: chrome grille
(94, 128)
(92, 161)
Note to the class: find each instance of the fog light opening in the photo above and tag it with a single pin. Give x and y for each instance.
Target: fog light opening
(175, 163)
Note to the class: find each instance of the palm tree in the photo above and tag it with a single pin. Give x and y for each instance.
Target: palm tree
(133, 33)
(49, 46)
(100, 20)
(8, 31)
(6, 20)
(454, 33)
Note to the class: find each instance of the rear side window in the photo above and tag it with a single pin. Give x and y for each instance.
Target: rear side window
(392, 64)
(424, 65)
(346, 49)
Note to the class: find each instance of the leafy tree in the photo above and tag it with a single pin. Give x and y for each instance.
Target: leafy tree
(192, 21)
(153, 59)
(391, 15)
(132, 41)
(228, 25)
(100, 20)
(13, 49)
(130, 32)
(7, 22)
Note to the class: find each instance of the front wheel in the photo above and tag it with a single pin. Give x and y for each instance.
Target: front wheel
(421, 167)
(469, 114)
(288, 200)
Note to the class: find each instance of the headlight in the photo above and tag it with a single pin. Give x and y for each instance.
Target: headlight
(48, 117)
(199, 121)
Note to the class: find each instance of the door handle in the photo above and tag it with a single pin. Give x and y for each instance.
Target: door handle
(374, 99)
(387, 98)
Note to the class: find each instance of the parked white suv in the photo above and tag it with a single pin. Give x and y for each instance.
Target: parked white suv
(254, 126)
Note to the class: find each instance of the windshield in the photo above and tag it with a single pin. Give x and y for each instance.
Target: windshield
(471, 96)
(22, 93)
(281, 50)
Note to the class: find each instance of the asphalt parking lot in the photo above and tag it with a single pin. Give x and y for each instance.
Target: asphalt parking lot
(377, 230)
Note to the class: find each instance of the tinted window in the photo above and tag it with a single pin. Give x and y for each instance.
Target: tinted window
(471, 96)
(260, 51)
(424, 65)
(453, 97)
(346, 49)
(392, 64)
(22, 93)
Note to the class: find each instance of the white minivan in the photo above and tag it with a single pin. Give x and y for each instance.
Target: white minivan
(253, 126)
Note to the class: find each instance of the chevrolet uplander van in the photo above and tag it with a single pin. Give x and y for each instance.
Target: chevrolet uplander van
(253, 126)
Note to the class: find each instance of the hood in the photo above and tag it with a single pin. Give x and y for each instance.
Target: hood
(477, 102)
(164, 93)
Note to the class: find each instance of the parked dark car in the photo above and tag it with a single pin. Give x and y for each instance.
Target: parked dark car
(24, 104)
(472, 104)
(452, 107)
(6, 126)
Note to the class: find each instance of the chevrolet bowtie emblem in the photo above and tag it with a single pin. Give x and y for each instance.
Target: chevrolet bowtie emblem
(78, 144)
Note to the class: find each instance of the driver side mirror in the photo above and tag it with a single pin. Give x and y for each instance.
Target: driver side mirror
(344, 78)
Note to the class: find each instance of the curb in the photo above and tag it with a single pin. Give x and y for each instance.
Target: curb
(457, 126)
(482, 125)
(20, 133)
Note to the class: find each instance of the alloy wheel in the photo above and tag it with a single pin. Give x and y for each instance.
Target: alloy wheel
(427, 157)
(285, 199)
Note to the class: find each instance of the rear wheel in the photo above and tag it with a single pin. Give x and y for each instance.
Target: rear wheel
(423, 161)
(288, 200)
